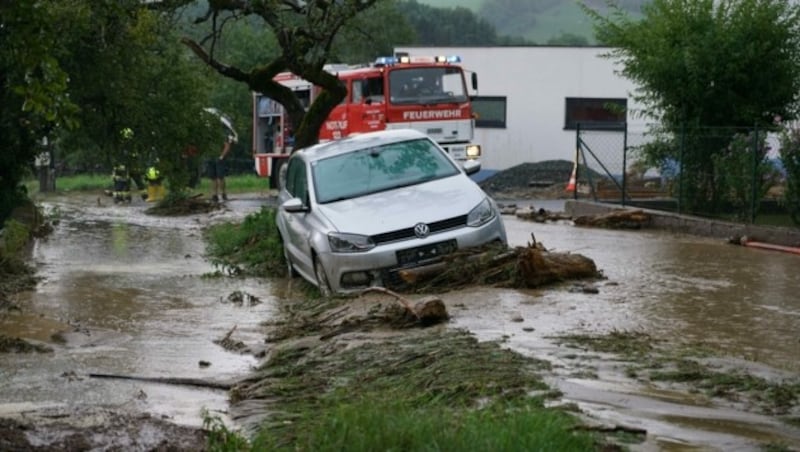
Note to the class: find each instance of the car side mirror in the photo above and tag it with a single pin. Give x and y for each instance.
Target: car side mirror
(471, 167)
(294, 205)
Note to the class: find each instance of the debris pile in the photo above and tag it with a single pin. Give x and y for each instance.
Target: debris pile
(529, 266)
(617, 219)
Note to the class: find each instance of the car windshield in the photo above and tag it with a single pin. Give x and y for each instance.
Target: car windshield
(429, 85)
(379, 168)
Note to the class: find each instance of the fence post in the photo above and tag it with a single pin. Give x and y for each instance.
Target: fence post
(624, 162)
(577, 157)
(754, 179)
(680, 167)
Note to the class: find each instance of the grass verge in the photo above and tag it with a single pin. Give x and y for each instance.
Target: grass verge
(241, 183)
(250, 248)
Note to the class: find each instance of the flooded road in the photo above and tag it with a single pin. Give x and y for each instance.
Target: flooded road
(130, 294)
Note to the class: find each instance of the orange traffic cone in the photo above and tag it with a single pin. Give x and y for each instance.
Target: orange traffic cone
(572, 181)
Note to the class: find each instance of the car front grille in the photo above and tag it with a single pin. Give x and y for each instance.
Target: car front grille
(407, 233)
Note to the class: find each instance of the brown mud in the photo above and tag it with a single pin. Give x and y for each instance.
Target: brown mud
(58, 430)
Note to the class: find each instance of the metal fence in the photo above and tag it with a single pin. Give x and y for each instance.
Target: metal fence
(728, 173)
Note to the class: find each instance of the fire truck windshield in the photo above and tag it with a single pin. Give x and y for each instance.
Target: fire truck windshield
(427, 85)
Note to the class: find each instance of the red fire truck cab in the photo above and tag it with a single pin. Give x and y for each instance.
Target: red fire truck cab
(429, 94)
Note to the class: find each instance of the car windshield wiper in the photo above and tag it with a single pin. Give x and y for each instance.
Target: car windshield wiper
(338, 198)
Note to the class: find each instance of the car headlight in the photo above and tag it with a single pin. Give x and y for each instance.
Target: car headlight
(349, 243)
(473, 151)
(481, 214)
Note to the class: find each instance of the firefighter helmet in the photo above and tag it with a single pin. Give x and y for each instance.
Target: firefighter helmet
(152, 173)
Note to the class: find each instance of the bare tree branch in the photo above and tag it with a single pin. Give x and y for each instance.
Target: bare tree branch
(228, 71)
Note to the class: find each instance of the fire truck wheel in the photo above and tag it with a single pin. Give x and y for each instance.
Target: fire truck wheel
(275, 173)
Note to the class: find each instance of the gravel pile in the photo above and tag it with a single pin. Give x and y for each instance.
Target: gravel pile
(540, 180)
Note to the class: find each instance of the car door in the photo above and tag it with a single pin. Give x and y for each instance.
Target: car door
(296, 224)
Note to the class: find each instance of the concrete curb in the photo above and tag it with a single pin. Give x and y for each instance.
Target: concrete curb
(693, 225)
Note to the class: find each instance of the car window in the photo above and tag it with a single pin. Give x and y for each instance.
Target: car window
(296, 181)
(379, 168)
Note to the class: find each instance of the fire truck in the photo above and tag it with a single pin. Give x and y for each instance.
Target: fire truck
(429, 94)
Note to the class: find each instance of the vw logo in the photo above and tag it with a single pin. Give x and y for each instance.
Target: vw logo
(421, 230)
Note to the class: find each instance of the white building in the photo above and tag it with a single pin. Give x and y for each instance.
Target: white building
(530, 98)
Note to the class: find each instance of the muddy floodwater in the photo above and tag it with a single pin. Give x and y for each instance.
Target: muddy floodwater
(742, 303)
(128, 294)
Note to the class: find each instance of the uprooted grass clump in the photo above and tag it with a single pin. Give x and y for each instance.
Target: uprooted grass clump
(397, 389)
(655, 360)
(181, 203)
(16, 345)
(495, 265)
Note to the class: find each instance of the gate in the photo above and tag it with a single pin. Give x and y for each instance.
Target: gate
(603, 169)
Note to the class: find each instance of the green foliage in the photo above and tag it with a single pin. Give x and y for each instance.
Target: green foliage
(555, 22)
(33, 97)
(373, 33)
(456, 26)
(701, 71)
(704, 62)
(137, 77)
(15, 236)
(246, 43)
(743, 174)
(516, 17)
(305, 37)
(253, 247)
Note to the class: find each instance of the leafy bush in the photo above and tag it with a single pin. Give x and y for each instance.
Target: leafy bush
(743, 174)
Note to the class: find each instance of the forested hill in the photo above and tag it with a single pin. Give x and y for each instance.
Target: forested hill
(538, 21)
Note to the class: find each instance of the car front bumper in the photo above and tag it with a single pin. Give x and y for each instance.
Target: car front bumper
(352, 272)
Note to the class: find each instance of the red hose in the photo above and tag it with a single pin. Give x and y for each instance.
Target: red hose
(770, 246)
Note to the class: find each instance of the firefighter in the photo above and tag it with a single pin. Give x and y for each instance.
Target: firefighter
(120, 176)
(121, 190)
(155, 189)
(127, 171)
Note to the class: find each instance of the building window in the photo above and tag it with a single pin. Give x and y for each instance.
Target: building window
(595, 113)
(490, 111)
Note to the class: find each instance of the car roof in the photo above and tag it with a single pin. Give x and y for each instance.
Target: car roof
(359, 141)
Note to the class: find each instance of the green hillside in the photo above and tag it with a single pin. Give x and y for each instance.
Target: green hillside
(553, 18)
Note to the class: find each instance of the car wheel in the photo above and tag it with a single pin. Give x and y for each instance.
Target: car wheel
(322, 279)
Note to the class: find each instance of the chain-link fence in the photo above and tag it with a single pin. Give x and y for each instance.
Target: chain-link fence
(735, 174)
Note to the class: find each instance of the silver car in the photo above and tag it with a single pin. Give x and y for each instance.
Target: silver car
(355, 211)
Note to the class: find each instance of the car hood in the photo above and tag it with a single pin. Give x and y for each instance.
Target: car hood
(404, 207)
